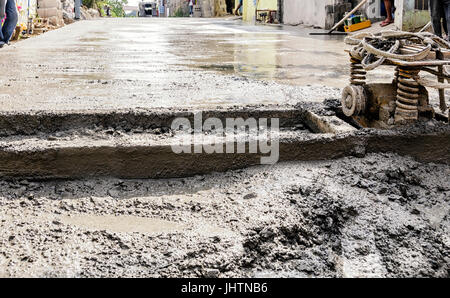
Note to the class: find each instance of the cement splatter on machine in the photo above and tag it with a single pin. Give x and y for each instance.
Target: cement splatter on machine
(404, 100)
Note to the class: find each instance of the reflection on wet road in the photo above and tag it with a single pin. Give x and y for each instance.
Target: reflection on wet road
(269, 53)
(149, 63)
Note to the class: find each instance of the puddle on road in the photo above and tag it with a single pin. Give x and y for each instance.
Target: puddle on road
(92, 39)
(135, 224)
(220, 67)
(272, 56)
(123, 224)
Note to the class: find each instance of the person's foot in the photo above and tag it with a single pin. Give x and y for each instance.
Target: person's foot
(386, 22)
(2, 43)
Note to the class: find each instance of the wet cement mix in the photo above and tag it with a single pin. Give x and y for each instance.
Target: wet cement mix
(375, 215)
(380, 216)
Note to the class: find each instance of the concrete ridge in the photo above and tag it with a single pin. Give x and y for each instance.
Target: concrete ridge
(30, 123)
(137, 160)
(138, 144)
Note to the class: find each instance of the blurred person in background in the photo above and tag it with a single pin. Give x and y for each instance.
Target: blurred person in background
(389, 5)
(239, 8)
(9, 18)
(191, 8)
(440, 10)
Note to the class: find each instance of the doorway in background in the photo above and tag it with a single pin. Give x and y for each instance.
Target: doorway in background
(230, 6)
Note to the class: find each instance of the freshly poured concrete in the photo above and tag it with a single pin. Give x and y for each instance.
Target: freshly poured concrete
(378, 216)
(373, 213)
(151, 63)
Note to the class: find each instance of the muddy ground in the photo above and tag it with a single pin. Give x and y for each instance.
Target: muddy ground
(376, 215)
(381, 215)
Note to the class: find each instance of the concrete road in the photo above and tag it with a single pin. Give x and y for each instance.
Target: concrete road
(378, 215)
(150, 63)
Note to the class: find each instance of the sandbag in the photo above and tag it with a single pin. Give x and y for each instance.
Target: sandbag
(48, 12)
(49, 4)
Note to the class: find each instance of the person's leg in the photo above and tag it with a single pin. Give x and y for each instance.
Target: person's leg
(2, 15)
(1, 37)
(11, 20)
(388, 6)
(446, 21)
(236, 12)
(436, 16)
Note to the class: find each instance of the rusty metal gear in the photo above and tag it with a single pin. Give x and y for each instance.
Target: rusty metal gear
(353, 100)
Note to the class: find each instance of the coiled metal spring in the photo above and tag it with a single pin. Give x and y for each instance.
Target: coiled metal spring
(407, 95)
(396, 74)
(357, 72)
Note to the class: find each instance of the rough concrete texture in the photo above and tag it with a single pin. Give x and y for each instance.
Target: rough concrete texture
(108, 145)
(110, 64)
(381, 214)
(350, 217)
(150, 63)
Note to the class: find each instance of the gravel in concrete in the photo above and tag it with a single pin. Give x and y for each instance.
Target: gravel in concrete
(382, 215)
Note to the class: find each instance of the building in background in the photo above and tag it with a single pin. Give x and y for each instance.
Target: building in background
(146, 9)
(202, 8)
(323, 13)
(410, 14)
(254, 10)
(51, 10)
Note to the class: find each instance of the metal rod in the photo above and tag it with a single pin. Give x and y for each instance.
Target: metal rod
(426, 27)
(348, 15)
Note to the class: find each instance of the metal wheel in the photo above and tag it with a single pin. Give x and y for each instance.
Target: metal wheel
(353, 100)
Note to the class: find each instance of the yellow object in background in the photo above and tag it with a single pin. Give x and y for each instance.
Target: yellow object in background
(359, 26)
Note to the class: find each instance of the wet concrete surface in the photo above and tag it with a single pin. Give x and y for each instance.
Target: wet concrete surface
(153, 63)
(150, 63)
(378, 216)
